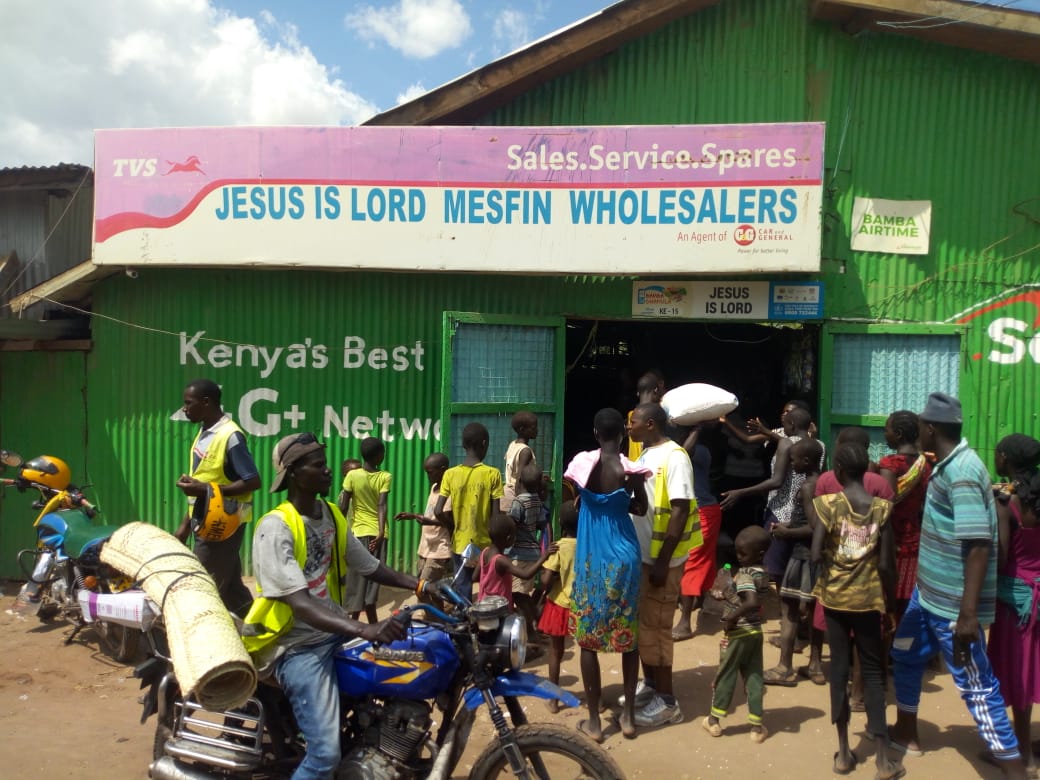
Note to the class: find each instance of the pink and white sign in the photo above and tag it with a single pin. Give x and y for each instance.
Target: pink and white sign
(598, 200)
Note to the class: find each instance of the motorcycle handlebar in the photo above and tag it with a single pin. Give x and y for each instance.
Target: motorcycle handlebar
(404, 614)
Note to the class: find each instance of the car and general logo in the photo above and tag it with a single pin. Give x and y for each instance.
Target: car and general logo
(744, 235)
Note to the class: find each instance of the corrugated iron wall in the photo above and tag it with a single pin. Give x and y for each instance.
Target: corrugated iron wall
(141, 363)
(42, 398)
(906, 120)
(27, 218)
(737, 62)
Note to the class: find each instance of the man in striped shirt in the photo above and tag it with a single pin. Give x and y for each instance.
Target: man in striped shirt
(956, 590)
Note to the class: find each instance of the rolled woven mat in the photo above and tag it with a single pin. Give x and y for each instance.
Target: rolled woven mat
(208, 656)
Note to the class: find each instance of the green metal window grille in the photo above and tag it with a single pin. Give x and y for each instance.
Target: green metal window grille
(500, 434)
(879, 373)
(877, 449)
(497, 365)
(502, 364)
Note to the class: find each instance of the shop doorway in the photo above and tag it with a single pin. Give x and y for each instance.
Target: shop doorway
(765, 365)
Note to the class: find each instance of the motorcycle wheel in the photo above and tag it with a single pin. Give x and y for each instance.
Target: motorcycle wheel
(118, 641)
(552, 753)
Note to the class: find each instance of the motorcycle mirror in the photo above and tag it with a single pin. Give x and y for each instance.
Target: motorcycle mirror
(11, 459)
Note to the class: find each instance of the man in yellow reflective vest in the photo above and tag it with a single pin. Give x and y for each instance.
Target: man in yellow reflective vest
(667, 533)
(219, 454)
(301, 551)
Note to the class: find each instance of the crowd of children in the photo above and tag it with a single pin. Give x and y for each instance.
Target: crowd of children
(840, 548)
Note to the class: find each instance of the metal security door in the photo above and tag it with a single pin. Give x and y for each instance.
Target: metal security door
(495, 366)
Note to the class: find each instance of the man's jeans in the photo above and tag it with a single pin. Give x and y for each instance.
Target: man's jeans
(923, 634)
(308, 677)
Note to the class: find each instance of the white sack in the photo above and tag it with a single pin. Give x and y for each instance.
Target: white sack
(696, 402)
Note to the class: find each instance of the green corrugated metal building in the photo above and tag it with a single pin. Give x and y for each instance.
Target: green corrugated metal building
(946, 113)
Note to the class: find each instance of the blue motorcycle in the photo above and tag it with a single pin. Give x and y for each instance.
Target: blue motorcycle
(407, 710)
(65, 578)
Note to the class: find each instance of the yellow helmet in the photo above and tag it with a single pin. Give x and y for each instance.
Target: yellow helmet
(48, 470)
(214, 517)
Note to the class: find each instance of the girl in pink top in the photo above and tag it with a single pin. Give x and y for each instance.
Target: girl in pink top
(496, 569)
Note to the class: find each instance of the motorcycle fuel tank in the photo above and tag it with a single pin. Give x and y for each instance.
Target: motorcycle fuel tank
(418, 667)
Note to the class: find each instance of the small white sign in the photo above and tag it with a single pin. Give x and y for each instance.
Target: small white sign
(897, 227)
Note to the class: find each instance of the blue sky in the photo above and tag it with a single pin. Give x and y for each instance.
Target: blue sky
(455, 36)
(73, 66)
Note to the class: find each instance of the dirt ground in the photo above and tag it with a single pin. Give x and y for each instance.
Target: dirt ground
(68, 711)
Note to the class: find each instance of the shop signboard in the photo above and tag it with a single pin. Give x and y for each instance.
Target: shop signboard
(728, 300)
(559, 200)
(891, 226)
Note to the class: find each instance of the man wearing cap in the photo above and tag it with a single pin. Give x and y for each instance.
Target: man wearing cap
(301, 551)
(219, 454)
(956, 590)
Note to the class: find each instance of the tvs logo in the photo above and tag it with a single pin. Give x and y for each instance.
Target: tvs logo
(190, 165)
(744, 235)
(1011, 336)
(146, 166)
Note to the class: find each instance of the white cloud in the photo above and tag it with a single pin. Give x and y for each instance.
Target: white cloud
(411, 92)
(416, 28)
(511, 29)
(139, 63)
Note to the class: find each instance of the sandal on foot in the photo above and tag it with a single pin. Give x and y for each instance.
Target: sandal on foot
(845, 770)
(583, 727)
(777, 676)
(758, 737)
(715, 729)
(799, 645)
(817, 677)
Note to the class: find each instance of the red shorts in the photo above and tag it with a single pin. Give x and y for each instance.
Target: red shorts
(554, 620)
(700, 568)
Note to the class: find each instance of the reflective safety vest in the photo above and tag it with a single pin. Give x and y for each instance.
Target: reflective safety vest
(211, 465)
(691, 536)
(269, 619)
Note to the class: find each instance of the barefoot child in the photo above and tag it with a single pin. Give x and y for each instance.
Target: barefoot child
(741, 649)
(470, 494)
(496, 570)
(519, 455)
(529, 516)
(796, 588)
(557, 578)
(854, 548)
(365, 490)
(607, 565)
(435, 557)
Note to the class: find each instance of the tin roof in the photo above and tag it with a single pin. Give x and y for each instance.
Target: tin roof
(44, 177)
(1002, 31)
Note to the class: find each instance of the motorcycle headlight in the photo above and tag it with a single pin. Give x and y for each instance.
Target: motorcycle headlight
(512, 638)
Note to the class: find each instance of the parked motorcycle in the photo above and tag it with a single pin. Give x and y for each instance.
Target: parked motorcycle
(448, 666)
(65, 577)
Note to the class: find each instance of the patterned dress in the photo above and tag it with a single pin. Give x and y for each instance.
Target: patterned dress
(1014, 641)
(906, 520)
(606, 574)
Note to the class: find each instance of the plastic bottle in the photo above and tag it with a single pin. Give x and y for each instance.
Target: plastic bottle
(723, 585)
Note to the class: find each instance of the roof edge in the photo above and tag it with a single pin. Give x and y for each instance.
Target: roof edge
(71, 285)
(488, 87)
